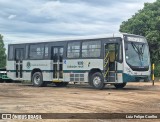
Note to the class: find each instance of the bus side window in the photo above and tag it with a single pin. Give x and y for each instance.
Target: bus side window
(11, 53)
(91, 49)
(46, 51)
(36, 51)
(120, 53)
(26, 54)
(73, 50)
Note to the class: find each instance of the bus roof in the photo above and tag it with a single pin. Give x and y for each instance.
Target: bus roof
(76, 38)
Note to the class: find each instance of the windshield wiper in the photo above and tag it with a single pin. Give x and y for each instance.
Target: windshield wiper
(137, 50)
(142, 49)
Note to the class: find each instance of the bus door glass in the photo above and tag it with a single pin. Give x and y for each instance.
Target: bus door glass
(57, 57)
(110, 61)
(19, 56)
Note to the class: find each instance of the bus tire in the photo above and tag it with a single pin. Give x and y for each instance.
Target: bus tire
(97, 81)
(37, 79)
(120, 86)
(61, 84)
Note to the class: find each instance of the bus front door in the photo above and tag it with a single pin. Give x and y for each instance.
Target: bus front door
(110, 62)
(57, 57)
(19, 56)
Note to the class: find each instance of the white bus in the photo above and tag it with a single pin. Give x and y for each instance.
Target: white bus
(115, 60)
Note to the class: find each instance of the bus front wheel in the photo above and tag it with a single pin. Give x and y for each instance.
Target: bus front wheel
(120, 86)
(37, 79)
(97, 81)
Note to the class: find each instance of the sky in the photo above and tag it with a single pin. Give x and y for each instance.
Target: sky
(28, 20)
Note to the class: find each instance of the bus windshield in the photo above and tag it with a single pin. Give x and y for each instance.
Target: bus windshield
(137, 54)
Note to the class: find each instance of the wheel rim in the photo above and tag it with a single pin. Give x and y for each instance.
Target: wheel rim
(37, 79)
(97, 81)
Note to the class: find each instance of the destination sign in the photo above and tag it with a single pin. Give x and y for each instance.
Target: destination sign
(136, 39)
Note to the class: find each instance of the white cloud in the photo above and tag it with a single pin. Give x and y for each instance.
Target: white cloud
(43, 19)
(11, 16)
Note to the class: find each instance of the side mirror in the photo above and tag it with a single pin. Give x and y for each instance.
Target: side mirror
(126, 46)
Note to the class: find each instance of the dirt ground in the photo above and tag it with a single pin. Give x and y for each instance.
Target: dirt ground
(134, 98)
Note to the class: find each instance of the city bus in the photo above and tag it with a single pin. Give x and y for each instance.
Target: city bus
(98, 60)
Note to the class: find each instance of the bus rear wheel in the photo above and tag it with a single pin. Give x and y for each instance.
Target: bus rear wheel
(61, 84)
(37, 79)
(120, 86)
(97, 81)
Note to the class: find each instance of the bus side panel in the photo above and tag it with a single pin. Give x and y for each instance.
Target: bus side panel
(75, 77)
(45, 66)
(11, 70)
(120, 72)
(76, 70)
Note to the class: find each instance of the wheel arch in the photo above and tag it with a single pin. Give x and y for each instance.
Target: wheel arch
(36, 70)
(92, 71)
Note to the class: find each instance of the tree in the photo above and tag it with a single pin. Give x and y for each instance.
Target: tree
(147, 23)
(2, 53)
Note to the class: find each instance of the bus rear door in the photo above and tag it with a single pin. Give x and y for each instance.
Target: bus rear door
(19, 56)
(57, 57)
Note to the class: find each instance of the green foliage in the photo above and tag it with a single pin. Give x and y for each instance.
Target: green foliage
(2, 53)
(157, 70)
(146, 23)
